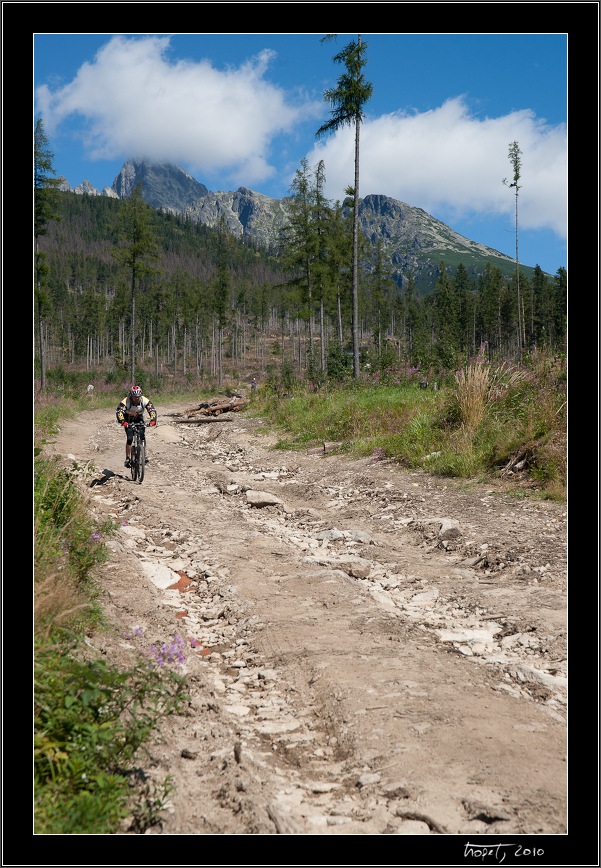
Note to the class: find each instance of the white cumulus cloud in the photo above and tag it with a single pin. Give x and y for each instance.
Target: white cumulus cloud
(450, 161)
(135, 102)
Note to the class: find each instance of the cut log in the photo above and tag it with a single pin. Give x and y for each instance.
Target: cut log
(519, 460)
(326, 447)
(216, 406)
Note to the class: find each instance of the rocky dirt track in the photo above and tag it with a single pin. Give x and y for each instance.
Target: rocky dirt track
(378, 651)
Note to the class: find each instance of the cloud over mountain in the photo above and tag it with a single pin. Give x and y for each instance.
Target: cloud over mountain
(138, 102)
(236, 125)
(448, 159)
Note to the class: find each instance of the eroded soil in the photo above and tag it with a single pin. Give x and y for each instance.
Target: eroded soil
(362, 666)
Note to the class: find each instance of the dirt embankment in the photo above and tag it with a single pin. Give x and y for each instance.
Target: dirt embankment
(376, 651)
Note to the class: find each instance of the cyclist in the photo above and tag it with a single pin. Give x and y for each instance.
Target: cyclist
(131, 409)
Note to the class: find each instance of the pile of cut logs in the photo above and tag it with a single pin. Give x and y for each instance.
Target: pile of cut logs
(215, 406)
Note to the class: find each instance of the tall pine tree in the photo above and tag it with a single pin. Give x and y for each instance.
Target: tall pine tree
(348, 99)
(45, 209)
(138, 251)
(514, 158)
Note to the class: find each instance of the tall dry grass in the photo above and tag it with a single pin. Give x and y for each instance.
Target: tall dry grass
(479, 385)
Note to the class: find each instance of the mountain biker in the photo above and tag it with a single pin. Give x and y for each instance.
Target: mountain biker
(131, 409)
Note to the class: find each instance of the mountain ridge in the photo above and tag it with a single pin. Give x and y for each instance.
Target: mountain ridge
(412, 239)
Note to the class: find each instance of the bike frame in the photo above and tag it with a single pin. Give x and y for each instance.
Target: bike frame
(138, 456)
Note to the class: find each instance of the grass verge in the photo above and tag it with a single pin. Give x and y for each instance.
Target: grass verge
(487, 420)
(90, 718)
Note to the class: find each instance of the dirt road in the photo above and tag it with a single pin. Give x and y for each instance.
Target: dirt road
(377, 651)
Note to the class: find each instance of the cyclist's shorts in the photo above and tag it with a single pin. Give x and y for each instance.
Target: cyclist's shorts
(129, 431)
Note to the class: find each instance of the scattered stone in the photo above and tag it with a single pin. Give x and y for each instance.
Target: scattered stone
(134, 532)
(426, 597)
(449, 530)
(238, 710)
(356, 567)
(284, 824)
(413, 827)
(159, 574)
(330, 535)
(188, 754)
(275, 727)
(262, 498)
(368, 780)
(249, 693)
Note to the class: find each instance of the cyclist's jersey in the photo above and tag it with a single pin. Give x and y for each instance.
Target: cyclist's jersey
(127, 411)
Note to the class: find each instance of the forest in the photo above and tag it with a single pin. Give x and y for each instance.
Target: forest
(208, 303)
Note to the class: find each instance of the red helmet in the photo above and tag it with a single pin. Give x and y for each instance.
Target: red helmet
(135, 393)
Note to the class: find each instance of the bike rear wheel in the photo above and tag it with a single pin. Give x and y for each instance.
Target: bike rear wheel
(134, 461)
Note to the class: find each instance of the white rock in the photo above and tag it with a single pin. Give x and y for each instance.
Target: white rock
(368, 779)
(159, 574)
(262, 498)
(413, 827)
(426, 597)
(238, 710)
(333, 820)
(136, 532)
(528, 673)
(357, 567)
(359, 536)
(330, 535)
(471, 636)
(272, 727)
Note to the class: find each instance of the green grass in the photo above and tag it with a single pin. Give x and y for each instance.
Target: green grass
(90, 721)
(477, 420)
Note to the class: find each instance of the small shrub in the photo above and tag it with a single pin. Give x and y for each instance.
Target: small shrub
(339, 363)
(90, 721)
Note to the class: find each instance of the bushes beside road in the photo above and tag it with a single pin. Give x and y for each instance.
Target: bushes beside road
(486, 419)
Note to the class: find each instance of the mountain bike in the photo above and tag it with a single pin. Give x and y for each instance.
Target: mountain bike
(138, 450)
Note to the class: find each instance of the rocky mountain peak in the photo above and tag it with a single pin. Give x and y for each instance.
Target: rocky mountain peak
(164, 185)
(412, 239)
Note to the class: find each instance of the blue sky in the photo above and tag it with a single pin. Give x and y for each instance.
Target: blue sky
(243, 109)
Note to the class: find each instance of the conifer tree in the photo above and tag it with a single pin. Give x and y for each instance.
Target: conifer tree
(348, 99)
(410, 313)
(514, 158)
(460, 284)
(45, 209)
(381, 286)
(321, 218)
(222, 288)
(138, 251)
(446, 310)
(301, 239)
(560, 305)
(338, 261)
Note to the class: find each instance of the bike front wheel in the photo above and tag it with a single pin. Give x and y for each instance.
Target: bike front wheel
(141, 461)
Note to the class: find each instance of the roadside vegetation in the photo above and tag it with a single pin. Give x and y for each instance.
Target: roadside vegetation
(484, 420)
(90, 718)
